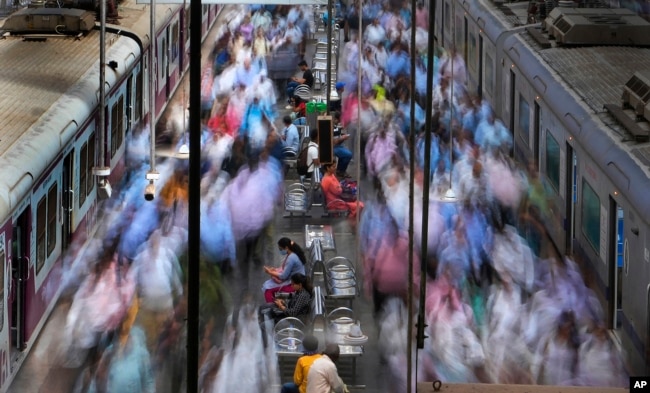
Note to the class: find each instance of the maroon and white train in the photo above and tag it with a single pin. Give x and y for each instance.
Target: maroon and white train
(49, 136)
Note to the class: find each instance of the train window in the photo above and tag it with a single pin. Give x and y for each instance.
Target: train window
(591, 215)
(524, 120)
(41, 219)
(489, 73)
(83, 173)
(86, 160)
(175, 46)
(117, 125)
(46, 210)
(552, 167)
(51, 218)
(471, 52)
(90, 183)
(447, 13)
(458, 33)
(138, 96)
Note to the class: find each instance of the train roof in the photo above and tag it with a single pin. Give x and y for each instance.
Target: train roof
(49, 89)
(36, 74)
(594, 76)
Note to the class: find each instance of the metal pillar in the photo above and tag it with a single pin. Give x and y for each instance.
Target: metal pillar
(194, 213)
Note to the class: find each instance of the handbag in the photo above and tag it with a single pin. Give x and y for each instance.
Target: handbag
(349, 190)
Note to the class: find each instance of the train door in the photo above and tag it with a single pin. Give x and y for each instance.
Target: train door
(67, 201)
(129, 103)
(19, 276)
(617, 261)
(571, 195)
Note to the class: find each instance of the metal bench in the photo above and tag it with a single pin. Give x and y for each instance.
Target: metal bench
(318, 314)
(296, 199)
(341, 280)
(316, 268)
(322, 232)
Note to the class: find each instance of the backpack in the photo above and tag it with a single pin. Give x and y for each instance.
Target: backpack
(301, 164)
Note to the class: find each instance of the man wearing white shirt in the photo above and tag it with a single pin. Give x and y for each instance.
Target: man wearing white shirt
(313, 161)
(323, 376)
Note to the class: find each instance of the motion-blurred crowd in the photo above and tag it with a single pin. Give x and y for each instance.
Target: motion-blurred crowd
(501, 306)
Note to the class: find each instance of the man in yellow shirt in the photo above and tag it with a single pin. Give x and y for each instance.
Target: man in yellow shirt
(299, 384)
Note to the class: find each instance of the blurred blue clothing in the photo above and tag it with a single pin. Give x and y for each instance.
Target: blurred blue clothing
(398, 64)
(129, 368)
(344, 156)
(421, 80)
(405, 109)
(405, 15)
(255, 111)
(244, 76)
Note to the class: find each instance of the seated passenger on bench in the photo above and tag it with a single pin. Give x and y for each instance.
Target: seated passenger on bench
(332, 192)
(298, 303)
(293, 262)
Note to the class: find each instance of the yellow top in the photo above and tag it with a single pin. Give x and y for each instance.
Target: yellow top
(302, 369)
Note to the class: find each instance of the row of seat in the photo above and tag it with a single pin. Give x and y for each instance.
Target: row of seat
(337, 275)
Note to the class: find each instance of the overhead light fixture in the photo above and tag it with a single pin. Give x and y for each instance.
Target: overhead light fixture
(152, 175)
(450, 196)
(184, 149)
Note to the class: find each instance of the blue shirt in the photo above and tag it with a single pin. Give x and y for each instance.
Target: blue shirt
(292, 266)
(292, 137)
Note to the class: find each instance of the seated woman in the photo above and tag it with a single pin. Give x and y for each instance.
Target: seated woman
(296, 305)
(294, 262)
(298, 110)
(332, 191)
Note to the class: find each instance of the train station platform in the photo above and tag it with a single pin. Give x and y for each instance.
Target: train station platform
(364, 371)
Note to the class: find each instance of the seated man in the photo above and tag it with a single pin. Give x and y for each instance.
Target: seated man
(290, 135)
(306, 79)
(332, 192)
(342, 153)
(313, 161)
(299, 384)
(323, 375)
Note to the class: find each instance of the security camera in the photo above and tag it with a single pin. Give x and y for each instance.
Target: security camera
(149, 191)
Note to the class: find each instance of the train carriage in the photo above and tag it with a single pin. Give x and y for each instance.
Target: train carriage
(49, 128)
(551, 95)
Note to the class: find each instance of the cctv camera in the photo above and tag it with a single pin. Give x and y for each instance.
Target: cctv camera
(149, 192)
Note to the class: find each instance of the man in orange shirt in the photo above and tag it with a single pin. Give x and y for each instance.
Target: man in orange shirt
(299, 384)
